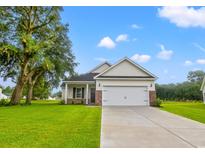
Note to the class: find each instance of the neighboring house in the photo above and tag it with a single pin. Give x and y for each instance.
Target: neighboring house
(123, 84)
(51, 98)
(2, 96)
(203, 89)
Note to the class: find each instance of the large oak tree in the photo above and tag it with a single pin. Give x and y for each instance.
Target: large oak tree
(28, 40)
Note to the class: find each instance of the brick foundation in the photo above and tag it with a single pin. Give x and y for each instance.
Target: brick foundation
(152, 98)
(98, 97)
(76, 101)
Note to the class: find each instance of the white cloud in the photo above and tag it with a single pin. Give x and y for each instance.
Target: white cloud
(200, 61)
(199, 47)
(184, 16)
(107, 42)
(101, 59)
(141, 58)
(135, 26)
(122, 38)
(164, 54)
(188, 63)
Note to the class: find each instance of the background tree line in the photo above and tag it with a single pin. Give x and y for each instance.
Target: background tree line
(188, 90)
(41, 90)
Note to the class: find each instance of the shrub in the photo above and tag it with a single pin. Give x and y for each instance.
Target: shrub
(4, 102)
(62, 102)
(158, 102)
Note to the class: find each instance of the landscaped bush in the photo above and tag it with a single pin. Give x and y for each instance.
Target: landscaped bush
(158, 102)
(4, 102)
(62, 102)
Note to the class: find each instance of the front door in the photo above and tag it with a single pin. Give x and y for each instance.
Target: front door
(92, 95)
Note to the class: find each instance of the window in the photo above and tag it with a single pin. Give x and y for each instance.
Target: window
(78, 92)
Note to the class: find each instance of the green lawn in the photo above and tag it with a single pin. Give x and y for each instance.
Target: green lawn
(191, 110)
(48, 124)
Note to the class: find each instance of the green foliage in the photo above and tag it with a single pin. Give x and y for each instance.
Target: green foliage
(158, 102)
(189, 90)
(196, 76)
(41, 89)
(46, 124)
(8, 91)
(62, 102)
(24, 31)
(4, 102)
(182, 91)
(33, 39)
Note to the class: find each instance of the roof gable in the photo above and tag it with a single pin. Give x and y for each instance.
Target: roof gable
(100, 68)
(126, 68)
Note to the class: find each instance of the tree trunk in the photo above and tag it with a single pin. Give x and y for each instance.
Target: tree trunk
(17, 93)
(31, 82)
(29, 94)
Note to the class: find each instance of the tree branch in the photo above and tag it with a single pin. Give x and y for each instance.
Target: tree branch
(45, 22)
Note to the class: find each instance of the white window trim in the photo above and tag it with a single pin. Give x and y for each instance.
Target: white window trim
(81, 90)
(80, 93)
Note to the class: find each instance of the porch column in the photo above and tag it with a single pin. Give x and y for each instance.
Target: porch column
(66, 93)
(86, 93)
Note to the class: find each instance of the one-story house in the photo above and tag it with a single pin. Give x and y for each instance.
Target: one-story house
(2, 96)
(203, 89)
(124, 83)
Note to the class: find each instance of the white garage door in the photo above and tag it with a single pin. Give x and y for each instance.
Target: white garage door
(124, 96)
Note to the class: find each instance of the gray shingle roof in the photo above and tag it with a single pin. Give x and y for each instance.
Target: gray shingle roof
(83, 77)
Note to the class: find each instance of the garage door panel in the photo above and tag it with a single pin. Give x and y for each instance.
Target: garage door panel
(126, 96)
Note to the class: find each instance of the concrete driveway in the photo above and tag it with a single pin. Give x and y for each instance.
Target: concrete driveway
(148, 127)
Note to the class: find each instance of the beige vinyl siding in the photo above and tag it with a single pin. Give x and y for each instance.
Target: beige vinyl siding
(125, 68)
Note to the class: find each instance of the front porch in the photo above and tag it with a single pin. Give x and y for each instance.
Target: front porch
(77, 92)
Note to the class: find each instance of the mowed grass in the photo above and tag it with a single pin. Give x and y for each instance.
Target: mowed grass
(47, 124)
(191, 110)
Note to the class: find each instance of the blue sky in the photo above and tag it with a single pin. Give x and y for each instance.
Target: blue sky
(168, 41)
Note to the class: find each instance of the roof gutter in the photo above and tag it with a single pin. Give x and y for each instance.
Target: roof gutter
(78, 82)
